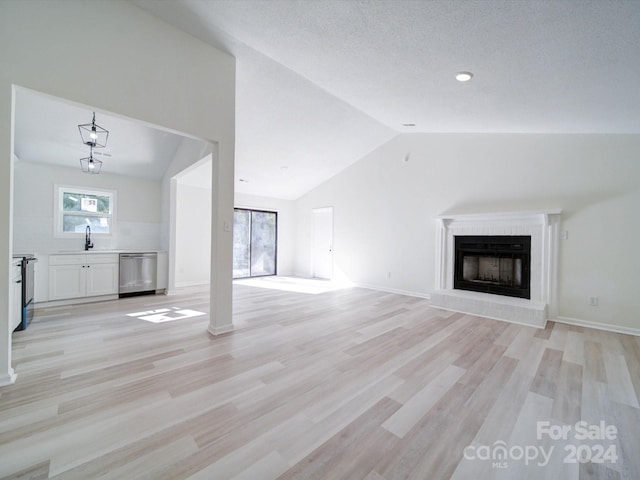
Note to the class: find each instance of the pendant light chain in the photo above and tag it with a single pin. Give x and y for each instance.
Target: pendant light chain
(94, 136)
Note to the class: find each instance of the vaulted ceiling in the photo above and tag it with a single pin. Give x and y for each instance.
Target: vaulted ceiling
(321, 83)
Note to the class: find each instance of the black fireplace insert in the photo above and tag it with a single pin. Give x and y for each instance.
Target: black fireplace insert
(497, 264)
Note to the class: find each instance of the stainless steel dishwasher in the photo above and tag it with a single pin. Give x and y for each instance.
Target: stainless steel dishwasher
(138, 273)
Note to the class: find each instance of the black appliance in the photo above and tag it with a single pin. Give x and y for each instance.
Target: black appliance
(28, 274)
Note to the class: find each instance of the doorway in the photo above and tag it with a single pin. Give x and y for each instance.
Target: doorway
(322, 243)
(255, 239)
(190, 225)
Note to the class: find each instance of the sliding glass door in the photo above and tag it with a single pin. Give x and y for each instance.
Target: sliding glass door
(255, 236)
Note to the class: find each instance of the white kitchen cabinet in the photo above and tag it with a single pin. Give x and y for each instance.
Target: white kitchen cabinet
(67, 281)
(102, 279)
(77, 276)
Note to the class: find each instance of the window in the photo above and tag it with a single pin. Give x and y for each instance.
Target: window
(77, 207)
(254, 243)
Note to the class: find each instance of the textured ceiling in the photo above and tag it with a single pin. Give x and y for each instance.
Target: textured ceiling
(321, 83)
(540, 66)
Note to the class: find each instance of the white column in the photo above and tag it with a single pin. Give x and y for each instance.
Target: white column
(441, 239)
(7, 375)
(221, 289)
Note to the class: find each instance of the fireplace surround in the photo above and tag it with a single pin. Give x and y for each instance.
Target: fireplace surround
(542, 227)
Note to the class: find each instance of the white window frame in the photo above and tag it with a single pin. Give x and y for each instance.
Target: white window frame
(58, 214)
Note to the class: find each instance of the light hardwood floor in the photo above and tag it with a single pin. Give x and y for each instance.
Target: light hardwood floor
(349, 384)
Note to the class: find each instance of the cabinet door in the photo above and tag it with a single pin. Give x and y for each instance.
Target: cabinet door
(67, 281)
(102, 279)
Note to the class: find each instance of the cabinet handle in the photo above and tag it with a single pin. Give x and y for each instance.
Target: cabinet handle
(18, 281)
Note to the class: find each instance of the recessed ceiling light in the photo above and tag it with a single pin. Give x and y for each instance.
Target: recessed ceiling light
(408, 124)
(464, 76)
(244, 181)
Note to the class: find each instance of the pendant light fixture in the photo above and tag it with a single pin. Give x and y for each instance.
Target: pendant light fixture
(90, 165)
(94, 136)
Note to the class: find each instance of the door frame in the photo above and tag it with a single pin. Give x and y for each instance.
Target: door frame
(314, 233)
(275, 265)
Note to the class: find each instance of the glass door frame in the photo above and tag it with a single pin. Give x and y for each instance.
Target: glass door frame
(275, 253)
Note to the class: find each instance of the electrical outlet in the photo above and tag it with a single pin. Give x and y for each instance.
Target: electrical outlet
(564, 235)
(389, 275)
(593, 301)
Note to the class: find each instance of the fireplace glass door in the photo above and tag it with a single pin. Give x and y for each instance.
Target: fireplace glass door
(493, 264)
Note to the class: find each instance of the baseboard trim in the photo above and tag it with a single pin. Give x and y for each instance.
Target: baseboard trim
(190, 284)
(560, 319)
(598, 326)
(408, 293)
(74, 301)
(8, 378)
(220, 330)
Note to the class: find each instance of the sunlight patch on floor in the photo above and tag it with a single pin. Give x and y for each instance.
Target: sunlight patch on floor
(170, 314)
(311, 286)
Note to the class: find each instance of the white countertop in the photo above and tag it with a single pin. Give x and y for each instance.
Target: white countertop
(98, 251)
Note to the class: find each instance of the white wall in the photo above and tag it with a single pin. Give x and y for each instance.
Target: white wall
(286, 226)
(192, 240)
(137, 209)
(384, 210)
(144, 70)
(189, 153)
(193, 235)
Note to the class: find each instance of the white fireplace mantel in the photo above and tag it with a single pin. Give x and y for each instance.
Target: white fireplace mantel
(543, 227)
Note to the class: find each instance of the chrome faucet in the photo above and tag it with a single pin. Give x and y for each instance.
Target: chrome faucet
(87, 238)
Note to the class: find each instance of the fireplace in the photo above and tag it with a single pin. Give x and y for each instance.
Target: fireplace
(527, 265)
(496, 264)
